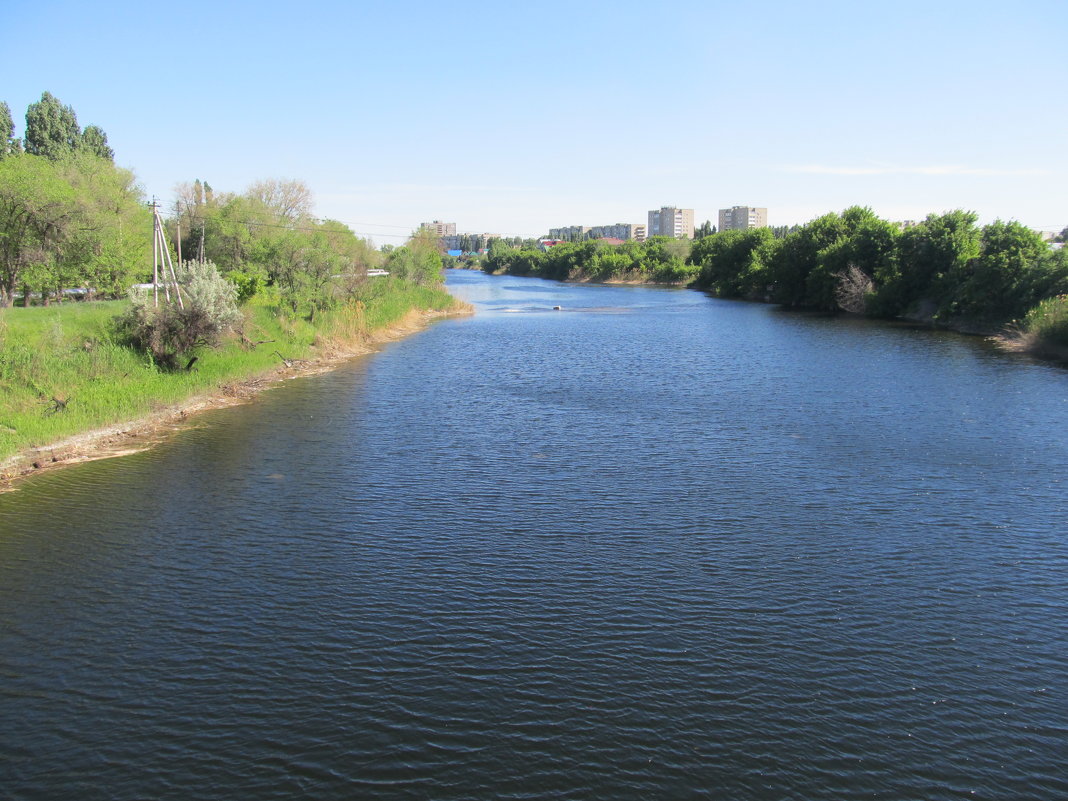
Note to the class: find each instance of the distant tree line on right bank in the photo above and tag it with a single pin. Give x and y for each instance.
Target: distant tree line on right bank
(946, 270)
(1001, 278)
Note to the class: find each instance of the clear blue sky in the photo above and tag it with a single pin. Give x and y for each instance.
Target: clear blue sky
(513, 119)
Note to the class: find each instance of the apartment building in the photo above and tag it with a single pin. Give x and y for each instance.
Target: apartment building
(569, 233)
(619, 231)
(740, 218)
(671, 221)
(440, 228)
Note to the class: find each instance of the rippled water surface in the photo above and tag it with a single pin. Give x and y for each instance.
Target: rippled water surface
(649, 545)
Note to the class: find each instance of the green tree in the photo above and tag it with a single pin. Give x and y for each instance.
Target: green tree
(704, 229)
(928, 255)
(8, 143)
(37, 211)
(419, 260)
(51, 128)
(731, 263)
(95, 142)
(1002, 281)
(111, 243)
(69, 223)
(867, 246)
(794, 261)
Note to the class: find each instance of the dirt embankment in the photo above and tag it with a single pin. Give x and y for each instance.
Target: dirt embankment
(137, 435)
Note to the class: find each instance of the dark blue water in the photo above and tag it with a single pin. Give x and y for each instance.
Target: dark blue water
(651, 545)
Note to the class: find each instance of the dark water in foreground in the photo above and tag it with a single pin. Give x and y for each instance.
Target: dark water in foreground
(650, 546)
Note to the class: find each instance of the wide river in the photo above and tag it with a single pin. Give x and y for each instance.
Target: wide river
(652, 545)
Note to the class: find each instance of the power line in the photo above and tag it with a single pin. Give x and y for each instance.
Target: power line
(322, 220)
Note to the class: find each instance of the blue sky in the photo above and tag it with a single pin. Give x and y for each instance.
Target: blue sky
(514, 119)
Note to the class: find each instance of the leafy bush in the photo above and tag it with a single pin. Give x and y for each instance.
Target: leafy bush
(248, 281)
(171, 331)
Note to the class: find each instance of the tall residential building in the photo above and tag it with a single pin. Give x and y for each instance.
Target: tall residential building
(440, 228)
(670, 221)
(739, 218)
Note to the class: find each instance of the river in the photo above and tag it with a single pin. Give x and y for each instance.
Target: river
(649, 545)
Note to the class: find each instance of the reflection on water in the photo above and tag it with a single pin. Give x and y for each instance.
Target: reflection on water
(695, 549)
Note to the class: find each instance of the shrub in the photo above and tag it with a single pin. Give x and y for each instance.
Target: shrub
(248, 282)
(169, 332)
(1047, 323)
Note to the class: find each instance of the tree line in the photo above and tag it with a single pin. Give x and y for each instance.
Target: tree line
(70, 218)
(946, 269)
(658, 259)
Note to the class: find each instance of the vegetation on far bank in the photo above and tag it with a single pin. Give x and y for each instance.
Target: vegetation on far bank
(946, 270)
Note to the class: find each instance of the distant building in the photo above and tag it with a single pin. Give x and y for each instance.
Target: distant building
(619, 231)
(671, 221)
(467, 243)
(439, 228)
(576, 233)
(569, 233)
(741, 218)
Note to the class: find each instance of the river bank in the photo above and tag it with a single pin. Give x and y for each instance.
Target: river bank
(144, 431)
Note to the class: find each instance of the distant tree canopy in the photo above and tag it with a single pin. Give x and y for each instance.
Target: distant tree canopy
(52, 131)
(79, 221)
(8, 143)
(658, 259)
(704, 229)
(946, 268)
(268, 237)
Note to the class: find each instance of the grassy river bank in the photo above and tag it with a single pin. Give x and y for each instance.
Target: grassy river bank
(71, 390)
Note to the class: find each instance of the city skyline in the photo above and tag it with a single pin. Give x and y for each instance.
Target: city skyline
(909, 110)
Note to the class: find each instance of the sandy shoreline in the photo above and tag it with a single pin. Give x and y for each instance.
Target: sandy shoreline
(138, 435)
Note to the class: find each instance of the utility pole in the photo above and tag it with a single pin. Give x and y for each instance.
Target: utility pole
(178, 229)
(161, 254)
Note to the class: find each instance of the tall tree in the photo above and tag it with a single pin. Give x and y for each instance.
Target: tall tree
(704, 229)
(67, 223)
(95, 142)
(51, 128)
(8, 143)
(37, 208)
(289, 200)
(928, 254)
(1004, 280)
(732, 262)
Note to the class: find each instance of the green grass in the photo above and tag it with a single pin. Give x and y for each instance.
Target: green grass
(1047, 322)
(71, 354)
